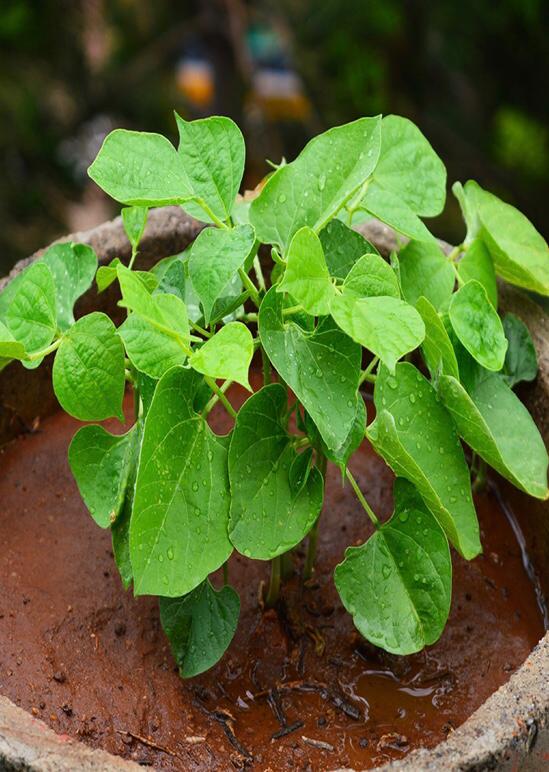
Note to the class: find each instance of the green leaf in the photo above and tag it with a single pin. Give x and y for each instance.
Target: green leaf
(226, 355)
(267, 517)
(398, 584)
(519, 252)
(495, 423)
(466, 200)
(213, 153)
(372, 276)
(9, 347)
(141, 169)
(321, 367)
(156, 335)
(310, 191)
(73, 267)
(477, 264)
(425, 271)
(341, 455)
(521, 362)
(437, 349)
(216, 256)
(88, 371)
(120, 529)
(409, 167)
(409, 179)
(200, 626)
(392, 210)
(181, 496)
(415, 435)
(343, 247)
(120, 532)
(300, 470)
(134, 219)
(478, 326)
(107, 274)
(31, 315)
(101, 463)
(154, 348)
(306, 276)
(387, 326)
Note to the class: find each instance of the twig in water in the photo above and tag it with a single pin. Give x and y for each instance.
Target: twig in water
(287, 730)
(149, 743)
(317, 744)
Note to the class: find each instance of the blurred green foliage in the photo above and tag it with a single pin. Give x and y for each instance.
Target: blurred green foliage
(471, 75)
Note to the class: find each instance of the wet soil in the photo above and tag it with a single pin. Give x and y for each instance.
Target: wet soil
(298, 688)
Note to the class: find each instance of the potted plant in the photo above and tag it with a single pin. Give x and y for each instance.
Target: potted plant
(281, 275)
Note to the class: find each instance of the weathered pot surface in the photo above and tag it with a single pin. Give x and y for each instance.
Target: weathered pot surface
(509, 731)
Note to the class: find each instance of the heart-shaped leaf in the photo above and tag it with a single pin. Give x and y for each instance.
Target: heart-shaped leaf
(268, 517)
(213, 153)
(226, 355)
(181, 495)
(425, 272)
(321, 367)
(88, 370)
(478, 326)
(216, 255)
(141, 169)
(73, 267)
(398, 585)
(306, 277)
(495, 423)
(312, 189)
(101, 463)
(387, 326)
(200, 626)
(343, 247)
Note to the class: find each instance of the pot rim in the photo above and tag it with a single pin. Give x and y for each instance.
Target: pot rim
(500, 732)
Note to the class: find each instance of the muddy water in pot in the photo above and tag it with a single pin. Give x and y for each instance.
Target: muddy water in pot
(298, 689)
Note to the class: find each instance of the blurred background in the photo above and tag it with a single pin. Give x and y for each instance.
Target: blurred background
(472, 75)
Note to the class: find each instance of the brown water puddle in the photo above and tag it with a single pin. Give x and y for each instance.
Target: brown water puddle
(298, 688)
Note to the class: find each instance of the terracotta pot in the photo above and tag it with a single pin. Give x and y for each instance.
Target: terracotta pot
(509, 731)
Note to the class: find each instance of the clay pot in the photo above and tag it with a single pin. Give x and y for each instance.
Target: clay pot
(509, 731)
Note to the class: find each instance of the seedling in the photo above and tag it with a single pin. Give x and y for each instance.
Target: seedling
(331, 317)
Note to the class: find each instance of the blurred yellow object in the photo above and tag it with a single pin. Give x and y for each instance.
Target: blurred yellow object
(194, 79)
(280, 95)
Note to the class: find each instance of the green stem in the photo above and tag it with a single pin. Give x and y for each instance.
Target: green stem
(291, 310)
(219, 392)
(480, 478)
(286, 565)
(366, 374)
(136, 401)
(45, 351)
(457, 274)
(215, 399)
(132, 258)
(211, 215)
(249, 317)
(367, 508)
(309, 567)
(200, 329)
(250, 286)
(274, 583)
(455, 253)
(259, 274)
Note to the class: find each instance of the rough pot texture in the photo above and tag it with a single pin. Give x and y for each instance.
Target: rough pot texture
(509, 731)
